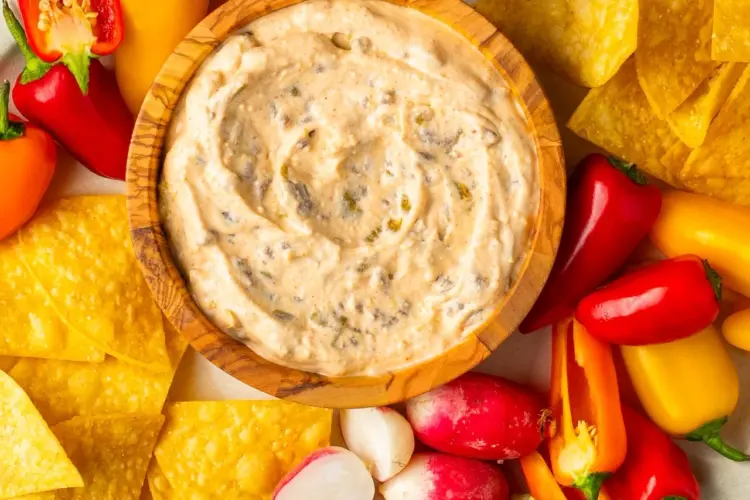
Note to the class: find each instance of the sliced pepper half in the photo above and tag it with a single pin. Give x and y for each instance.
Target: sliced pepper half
(589, 443)
(73, 30)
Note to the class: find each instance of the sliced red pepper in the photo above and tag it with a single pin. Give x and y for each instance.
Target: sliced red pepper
(589, 443)
(661, 302)
(95, 128)
(73, 30)
(610, 210)
(655, 467)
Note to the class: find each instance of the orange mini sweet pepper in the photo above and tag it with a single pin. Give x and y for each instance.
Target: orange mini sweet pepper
(542, 483)
(589, 441)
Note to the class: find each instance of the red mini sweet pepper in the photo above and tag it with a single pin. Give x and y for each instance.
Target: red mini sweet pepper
(661, 302)
(655, 467)
(95, 128)
(73, 30)
(611, 207)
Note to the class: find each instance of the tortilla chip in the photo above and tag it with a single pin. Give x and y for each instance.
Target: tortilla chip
(29, 326)
(6, 363)
(79, 249)
(672, 35)
(66, 389)
(158, 486)
(731, 31)
(618, 118)
(111, 452)
(32, 459)
(587, 44)
(720, 166)
(691, 120)
(674, 160)
(235, 448)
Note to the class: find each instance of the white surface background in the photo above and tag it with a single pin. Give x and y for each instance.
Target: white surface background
(524, 358)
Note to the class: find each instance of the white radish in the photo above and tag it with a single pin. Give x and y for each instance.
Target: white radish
(327, 474)
(381, 437)
(437, 476)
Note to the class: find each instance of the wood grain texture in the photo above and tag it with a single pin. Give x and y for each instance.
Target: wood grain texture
(172, 295)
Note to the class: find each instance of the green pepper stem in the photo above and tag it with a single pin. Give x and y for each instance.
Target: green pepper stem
(628, 169)
(35, 67)
(591, 484)
(8, 129)
(709, 434)
(674, 498)
(78, 63)
(714, 278)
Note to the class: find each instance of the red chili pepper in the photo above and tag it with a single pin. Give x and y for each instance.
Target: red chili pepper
(665, 301)
(95, 128)
(73, 30)
(610, 209)
(655, 467)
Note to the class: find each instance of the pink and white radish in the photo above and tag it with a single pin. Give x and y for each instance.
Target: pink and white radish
(381, 437)
(479, 416)
(327, 474)
(437, 476)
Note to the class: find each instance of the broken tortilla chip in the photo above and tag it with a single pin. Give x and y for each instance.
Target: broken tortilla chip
(588, 44)
(674, 159)
(237, 449)
(731, 31)
(112, 453)
(618, 118)
(65, 389)
(691, 120)
(32, 460)
(29, 326)
(672, 36)
(79, 249)
(720, 166)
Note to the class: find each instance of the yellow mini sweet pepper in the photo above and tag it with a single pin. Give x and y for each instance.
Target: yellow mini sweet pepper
(715, 230)
(153, 28)
(736, 329)
(688, 387)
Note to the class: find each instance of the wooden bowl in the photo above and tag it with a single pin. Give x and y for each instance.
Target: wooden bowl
(170, 290)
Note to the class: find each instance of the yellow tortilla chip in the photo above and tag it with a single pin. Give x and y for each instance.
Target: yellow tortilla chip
(158, 486)
(111, 452)
(237, 449)
(674, 159)
(618, 118)
(585, 41)
(731, 31)
(720, 166)
(691, 120)
(80, 250)
(6, 363)
(29, 326)
(65, 389)
(31, 458)
(672, 35)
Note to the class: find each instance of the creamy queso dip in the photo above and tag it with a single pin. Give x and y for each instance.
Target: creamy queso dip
(348, 187)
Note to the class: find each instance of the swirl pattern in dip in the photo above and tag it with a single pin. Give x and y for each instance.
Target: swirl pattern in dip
(349, 187)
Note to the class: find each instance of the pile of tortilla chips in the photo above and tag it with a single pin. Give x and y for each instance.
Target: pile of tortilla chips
(86, 363)
(681, 108)
(678, 107)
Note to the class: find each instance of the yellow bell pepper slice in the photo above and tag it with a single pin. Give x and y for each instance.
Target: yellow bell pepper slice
(715, 230)
(688, 387)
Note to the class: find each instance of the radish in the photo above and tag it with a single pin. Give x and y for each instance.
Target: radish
(436, 476)
(327, 474)
(381, 437)
(479, 416)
